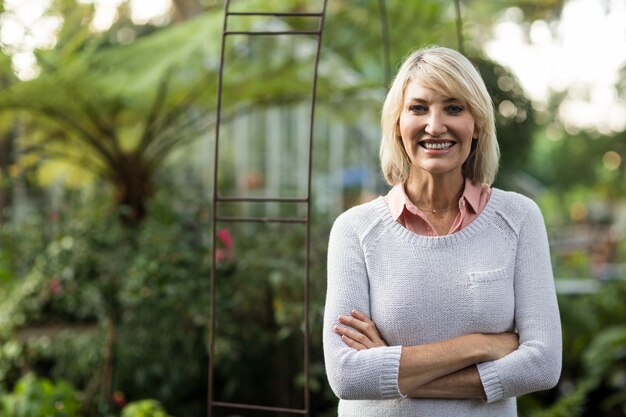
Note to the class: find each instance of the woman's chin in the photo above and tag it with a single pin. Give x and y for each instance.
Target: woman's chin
(438, 169)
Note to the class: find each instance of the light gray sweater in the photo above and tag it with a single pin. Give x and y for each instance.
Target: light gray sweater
(493, 276)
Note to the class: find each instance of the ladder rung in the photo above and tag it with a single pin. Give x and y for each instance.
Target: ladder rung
(260, 408)
(277, 14)
(271, 33)
(261, 219)
(234, 199)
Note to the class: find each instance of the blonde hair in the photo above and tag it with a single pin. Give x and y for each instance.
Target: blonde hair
(449, 73)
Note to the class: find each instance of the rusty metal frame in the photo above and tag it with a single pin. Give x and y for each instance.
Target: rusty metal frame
(459, 26)
(217, 199)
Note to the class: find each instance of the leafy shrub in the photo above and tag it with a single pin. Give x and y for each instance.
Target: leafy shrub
(593, 380)
(144, 408)
(37, 397)
(143, 290)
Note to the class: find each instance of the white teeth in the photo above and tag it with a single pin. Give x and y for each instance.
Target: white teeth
(437, 145)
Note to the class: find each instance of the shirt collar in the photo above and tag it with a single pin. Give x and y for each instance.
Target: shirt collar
(397, 199)
(471, 194)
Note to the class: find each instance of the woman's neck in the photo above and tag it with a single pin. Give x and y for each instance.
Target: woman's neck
(435, 192)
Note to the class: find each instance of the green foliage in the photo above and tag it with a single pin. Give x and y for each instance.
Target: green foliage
(38, 397)
(355, 33)
(117, 111)
(607, 349)
(165, 306)
(151, 283)
(264, 290)
(144, 408)
(571, 405)
(514, 119)
(587, 151)
(156, 282)
(71, 276)
(18, 254)
(594, 361)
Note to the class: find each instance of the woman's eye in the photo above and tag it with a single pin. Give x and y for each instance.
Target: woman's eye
(455, 109)
(418, 108)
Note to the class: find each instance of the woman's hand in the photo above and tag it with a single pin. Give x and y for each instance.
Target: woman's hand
(363, 335)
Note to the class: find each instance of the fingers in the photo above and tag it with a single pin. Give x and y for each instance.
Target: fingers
(362, 323)
(362, 331)
(352, 343)
(360, 316)
(352, 338)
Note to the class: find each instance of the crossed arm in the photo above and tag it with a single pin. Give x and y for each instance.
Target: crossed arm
(445, 369)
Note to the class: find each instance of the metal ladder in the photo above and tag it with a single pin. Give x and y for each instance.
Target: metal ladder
(301, 200)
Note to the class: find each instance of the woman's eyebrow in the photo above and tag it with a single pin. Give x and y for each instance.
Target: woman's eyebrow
(423, 100)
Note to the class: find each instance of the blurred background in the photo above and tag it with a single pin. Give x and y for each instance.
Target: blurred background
(107, 129)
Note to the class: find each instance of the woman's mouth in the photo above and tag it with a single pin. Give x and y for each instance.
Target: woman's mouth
(438, 146)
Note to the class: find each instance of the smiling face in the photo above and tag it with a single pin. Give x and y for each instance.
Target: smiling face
(436, 131)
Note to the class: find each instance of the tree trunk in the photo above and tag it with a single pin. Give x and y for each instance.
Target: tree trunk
(133, 189)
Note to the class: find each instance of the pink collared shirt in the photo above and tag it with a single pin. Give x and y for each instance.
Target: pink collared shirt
(471, 204)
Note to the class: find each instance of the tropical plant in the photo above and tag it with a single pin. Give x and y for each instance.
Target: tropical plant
(113, 111)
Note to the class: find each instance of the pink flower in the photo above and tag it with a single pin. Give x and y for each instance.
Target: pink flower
(224, 246)
(224, 236)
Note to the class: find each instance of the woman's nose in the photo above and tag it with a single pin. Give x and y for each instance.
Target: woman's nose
(435, 124)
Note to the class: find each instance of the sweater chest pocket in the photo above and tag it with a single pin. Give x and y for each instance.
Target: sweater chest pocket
(493, 300)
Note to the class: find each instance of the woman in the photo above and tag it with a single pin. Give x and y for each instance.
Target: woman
(440, 298)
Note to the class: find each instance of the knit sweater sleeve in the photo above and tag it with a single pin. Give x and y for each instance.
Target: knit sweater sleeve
(352, 374)
(536, 364)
